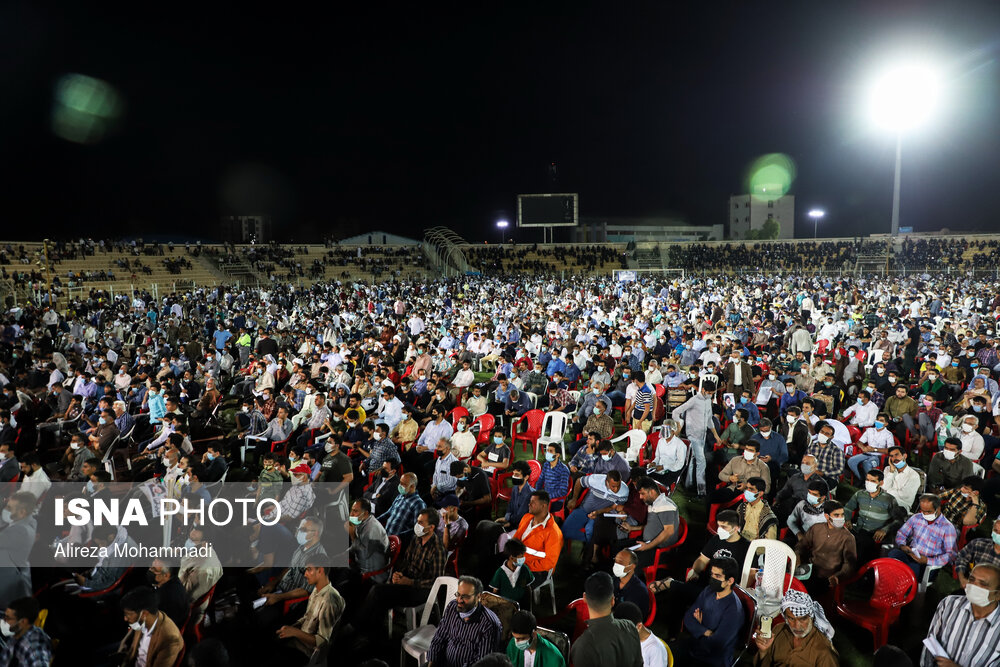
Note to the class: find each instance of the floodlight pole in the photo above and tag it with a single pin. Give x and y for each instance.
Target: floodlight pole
(48, 276)
(895, 186)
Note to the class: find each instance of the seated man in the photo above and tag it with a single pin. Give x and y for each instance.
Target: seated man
(711, 620)
(796, 488)
(152, 639)
(312, 632)
(473, 490)
(958, 617)
(980, 551)
(520, 495)
(878, 516)
(948, 467)
(605, 491)
(831, 550)
(829, 456)
(927, 538)
(292, 584)
(661, 529)
(738, 471)
(630, 588)
(873, 443)
(732, 439)
(495, 455)
(555, 474)
(467, 631)
(901, 481)
(411, 579)
(171, 598)
(607, 459)
(963, 505)
(756, 518)
(803, 639)
(542, 537)
(27, 644)
(369, 550)
(108, 570)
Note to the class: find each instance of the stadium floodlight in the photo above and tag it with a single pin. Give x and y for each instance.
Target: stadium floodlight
(816, 214)
(502, 225)
(903, 98)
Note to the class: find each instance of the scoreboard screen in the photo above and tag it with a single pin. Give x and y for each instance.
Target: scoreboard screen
(548, 210)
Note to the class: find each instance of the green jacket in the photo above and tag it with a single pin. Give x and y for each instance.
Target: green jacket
(546, 654)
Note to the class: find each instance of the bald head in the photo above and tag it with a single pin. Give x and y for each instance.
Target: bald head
(409, 480)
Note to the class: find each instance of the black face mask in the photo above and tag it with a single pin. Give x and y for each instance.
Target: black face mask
(715, 585)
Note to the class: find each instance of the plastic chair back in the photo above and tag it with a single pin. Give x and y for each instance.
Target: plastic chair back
(486, 423)
(749, 614)
(779, 559)
(503, 608)
(895, 584)
(455, 414)
(450, 584)
(581, 616)
(536, 472)
(553, 427)
(557, 639)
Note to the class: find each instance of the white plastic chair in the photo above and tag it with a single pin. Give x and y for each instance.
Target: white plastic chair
(417, 641)
(554, 424)
(925, 580)
(533, 398)
(777, 558)
(536, 595)
(636, 438)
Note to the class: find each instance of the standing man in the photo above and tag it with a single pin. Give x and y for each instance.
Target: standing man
(607, 640)
(699, 421)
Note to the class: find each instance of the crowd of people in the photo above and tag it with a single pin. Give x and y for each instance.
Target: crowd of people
(853, 420)
(535, 259)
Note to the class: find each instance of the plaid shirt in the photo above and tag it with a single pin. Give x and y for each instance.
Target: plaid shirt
(554, 480)
(381, 451)
(258, 423)
(979, 551)
(297, 501)
(423, 561)
(954, 506)
(583, 461)
(561, 399)
(401, 516)
(33, 649)
(829, 458)
(933, 539)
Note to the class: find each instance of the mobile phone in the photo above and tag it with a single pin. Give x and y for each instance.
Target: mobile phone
(765, 627)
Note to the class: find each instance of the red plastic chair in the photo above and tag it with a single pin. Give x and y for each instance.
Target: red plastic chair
(663, 553)
(963, 537)
(205, 600)
(561, 512)
(115, 585)
(455, 414)
(280, 447)
(660, 390)
(395, 547)
(749, 614)
(652, 609)
(536, 472)
(895, 587)
(581, 613)
(533, 421)
(501, 491)
(854, 431)
(486, 423)
(715, 508)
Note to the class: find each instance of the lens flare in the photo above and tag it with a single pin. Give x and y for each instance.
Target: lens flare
(771, 176)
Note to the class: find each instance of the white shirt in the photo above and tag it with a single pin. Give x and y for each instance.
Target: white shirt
(972, 444)
(902, 486)
(862, 415)
(143, 654)
(37, 483)
(464, 378)
(392, 412)
(878, 439)
(654, 653)
(670, 454)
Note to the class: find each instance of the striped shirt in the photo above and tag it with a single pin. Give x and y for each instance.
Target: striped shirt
(600, 495)
(933, 539)
(966, 640)
(642, 400)
(879, 513)
(459, 642)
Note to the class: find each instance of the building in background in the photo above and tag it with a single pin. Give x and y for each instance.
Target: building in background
(748, 213)
(246, 228)
(639, 230)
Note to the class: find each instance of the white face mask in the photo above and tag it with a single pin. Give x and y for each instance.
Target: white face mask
(823, 438)
(5, 628)
(838, 522)
(930, 517)
(748, 455)
(948, 454)
(968, 428)
(977, 595)
(723, 533)
(790, 419)
(871, 487)
(618, 570)
(418, 530)
(765, 434)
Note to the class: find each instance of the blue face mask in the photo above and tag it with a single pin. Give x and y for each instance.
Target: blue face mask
(102, 421)
(498, 440)
(996, 538)
(550, 457)
(813, 500)
(954, 363)
(744, 399)
(860, 402)
(90, 487)
(879, 425)
(899, 464)
(977, 408)
(210, 457)
(749, 496)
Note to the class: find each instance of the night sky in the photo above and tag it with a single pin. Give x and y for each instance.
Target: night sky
(370, 118)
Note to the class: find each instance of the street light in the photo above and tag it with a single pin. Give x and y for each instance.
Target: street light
(816, 214)
(903, 99)
(502, 225)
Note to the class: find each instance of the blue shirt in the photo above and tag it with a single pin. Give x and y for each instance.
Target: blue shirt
(554, 480)
(221, 337)
(775, 446)
(753, 412)
(724, 618)
(518, 505)
(556, 365)
(157, 407)
(788, 400)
